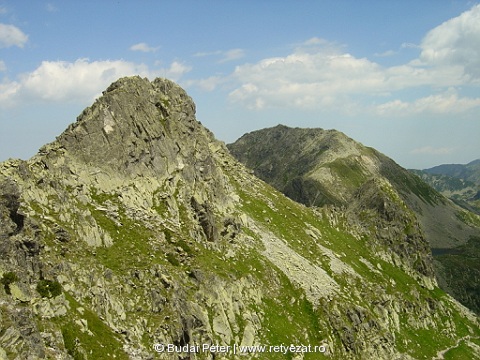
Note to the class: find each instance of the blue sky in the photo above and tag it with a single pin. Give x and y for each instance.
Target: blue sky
(400, 76)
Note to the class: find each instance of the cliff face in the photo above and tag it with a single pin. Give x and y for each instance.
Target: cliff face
(326, 168)
(136, 227)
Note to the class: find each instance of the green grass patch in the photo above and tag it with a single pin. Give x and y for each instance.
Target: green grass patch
(349, 171)
(290, 319)
(462, 351)
(101, 343)
(131, 240)
(422, 343)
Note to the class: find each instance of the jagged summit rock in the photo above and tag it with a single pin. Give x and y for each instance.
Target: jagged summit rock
(128, 129)
(136, 229)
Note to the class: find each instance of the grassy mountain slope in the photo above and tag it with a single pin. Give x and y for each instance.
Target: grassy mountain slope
(136, 227)
(324, 167)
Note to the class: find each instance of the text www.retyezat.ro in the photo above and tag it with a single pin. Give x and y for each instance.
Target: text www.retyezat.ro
(239, 349)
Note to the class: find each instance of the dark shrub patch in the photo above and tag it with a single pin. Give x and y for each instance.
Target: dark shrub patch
(49, 288)
(7, 279)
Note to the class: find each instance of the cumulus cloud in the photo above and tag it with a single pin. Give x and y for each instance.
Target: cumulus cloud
(305, 79)
(79, 81)
(143, 47)
(10, 35)
(456, 42)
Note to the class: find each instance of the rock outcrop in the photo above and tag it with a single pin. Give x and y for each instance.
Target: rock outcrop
(136, 235)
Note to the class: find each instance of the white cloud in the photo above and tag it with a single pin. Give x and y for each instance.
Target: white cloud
(414, 75)
(447, 103)
(8, 90)
(307, 80)
(392, 107)
(79, 81)
(430, 150)
(233, 54)
(176, 70)
(11, 36)
(329, 77)
(456, 42)
(143, 47)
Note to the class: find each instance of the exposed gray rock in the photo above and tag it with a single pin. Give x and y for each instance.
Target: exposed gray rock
(20, 292)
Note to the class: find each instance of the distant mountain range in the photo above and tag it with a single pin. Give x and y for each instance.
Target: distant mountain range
(468, 172)
(461, 183)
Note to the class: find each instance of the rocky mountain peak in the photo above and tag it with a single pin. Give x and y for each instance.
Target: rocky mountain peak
(128, 128)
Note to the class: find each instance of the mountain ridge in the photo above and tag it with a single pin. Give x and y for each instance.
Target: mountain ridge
(334, 172)
(136, 229)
